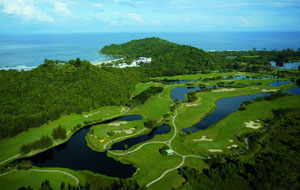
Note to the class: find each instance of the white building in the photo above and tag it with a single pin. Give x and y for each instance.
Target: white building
(134, 63)
(144, 60)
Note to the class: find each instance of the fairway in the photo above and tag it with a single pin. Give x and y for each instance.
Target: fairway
(190, 149)
(25, 178)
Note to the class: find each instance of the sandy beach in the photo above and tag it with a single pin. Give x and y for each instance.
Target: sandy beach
(105, 62)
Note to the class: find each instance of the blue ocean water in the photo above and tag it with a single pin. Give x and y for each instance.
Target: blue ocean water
(26, 51)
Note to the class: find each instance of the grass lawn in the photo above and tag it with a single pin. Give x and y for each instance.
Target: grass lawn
(34, 179)
(140, 87)
(233, 125)
(197, 76)
(100, 136)
(150, 162)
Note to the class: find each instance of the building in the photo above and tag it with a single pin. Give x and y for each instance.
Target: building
(170, 151)
(134, 63)
(144, 60)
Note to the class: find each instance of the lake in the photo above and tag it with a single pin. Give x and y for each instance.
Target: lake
(76, 155)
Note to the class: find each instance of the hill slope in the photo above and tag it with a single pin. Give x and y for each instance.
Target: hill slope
(30, 98)
(167, 58)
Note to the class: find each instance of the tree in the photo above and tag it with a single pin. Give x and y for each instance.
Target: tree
(78, 62)
(59, 133)
(151, 123)
(46, 185)
(62, 186)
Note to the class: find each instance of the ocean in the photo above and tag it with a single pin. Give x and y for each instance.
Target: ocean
(27, 51)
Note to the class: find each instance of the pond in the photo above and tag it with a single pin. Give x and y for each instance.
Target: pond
(179, 92)
(178, 81)
(162, 129)
(293, 65)
(76, 155)
(249, 78)
(278, 83)
(226, 106)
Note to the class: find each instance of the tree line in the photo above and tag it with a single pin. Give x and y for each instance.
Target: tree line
(169, 59)
(32, 98)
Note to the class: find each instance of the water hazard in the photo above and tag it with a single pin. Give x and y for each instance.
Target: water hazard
(126, 144)
(76, 155)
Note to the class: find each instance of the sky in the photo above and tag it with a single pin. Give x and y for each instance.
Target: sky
(64, 16)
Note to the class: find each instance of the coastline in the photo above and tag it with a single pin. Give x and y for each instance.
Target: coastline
(105, 62)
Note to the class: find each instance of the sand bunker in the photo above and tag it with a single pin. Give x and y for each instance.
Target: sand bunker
(215, 150)
(230, 140)
(122, 110)
(86, 116)
(203, 138)
(191, 105)
(269, 90)
(233, 146)
(127, 131)
(255, 88)
(253, 125)
(117, 124)
(224, 90)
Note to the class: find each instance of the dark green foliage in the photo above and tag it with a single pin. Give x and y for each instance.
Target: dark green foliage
(46, 185)
(59, 133)
(167, 58)
(43, 142)
(103, 183)
(163, 150)
(275, 166)
(25, 188)
(143, 96)
(31, 98)
(191, 96)
(151, 123)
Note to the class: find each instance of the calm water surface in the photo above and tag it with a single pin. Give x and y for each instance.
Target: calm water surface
(76, 155)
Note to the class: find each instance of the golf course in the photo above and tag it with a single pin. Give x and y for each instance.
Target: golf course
(187, 120)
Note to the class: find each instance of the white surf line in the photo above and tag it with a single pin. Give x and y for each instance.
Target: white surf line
(9, 159)
(58, 171)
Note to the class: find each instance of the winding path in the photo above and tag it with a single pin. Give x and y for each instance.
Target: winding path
(58, 171)
(53, 171)
(15, 156)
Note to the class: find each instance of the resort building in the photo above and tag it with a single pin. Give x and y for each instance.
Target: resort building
(134, 63)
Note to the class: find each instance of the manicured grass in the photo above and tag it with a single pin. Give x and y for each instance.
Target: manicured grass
(140, 87)
(171, 181)
(11, 146)
(34, 179)
(197, 76)
(153, 108)
(101, 133)
(233, 125)
(150, 162)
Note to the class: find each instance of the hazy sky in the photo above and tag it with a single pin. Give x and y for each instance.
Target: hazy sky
(148, 15)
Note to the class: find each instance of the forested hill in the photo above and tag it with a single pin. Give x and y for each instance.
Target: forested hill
(147, 47)
(31, 98)
(167, 58)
